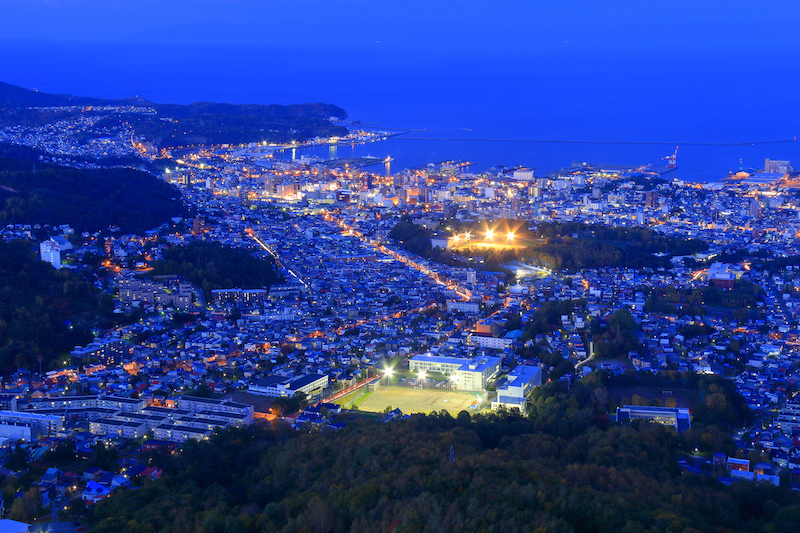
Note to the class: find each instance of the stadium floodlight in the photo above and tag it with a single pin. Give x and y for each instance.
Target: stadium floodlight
(510, 236)
(421, 374)
(387, 372)
(489, 235)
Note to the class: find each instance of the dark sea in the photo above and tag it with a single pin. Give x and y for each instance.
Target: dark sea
(543, 110)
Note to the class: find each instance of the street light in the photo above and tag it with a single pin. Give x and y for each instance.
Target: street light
(489, 235)
(510, 236)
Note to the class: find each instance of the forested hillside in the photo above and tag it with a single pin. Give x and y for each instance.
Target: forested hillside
(212, 265)
(565, 468)
(43, 312)
(558, 246)
(86, 199)
(210, 123)
(179, 125)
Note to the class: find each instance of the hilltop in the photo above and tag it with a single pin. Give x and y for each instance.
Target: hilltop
(86, 199)
(173, 125)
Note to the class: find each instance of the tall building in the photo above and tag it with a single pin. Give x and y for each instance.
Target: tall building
(50, 250)
(651, 199)
(523, 174)
(755, 209)
(197, 225)
(50, 253)
(780, 167)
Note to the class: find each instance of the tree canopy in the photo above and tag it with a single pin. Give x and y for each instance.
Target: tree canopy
(44, 312)
(565, 467)
(86, 199)
(212, 265)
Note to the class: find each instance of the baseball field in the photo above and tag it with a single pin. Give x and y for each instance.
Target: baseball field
(410, 400)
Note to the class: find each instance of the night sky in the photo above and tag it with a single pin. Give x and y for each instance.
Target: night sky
(435, 26)
(617, 70)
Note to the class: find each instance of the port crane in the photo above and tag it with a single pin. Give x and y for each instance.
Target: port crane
(672, 159)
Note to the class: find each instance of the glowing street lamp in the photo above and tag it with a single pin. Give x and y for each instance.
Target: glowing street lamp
(510, 236)
(467, 235)
(454, 381)
(489, 235)
(421, 374)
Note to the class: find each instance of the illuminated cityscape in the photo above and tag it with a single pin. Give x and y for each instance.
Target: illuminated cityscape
(539, 272)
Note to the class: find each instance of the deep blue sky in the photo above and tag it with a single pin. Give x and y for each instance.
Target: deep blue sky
(435, 26)
(676, 71)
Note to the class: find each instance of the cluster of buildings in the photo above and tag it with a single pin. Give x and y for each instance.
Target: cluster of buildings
(79, 140)
(166, 291)
(351, 297)
(186, 417)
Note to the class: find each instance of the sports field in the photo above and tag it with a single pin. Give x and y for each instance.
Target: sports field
(411, 400)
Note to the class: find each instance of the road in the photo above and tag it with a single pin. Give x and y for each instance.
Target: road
(779, 303)
(261, 243)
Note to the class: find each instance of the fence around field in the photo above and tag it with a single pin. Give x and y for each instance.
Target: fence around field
(425, 383)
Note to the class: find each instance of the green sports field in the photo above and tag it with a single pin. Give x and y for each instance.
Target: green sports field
(411, 400)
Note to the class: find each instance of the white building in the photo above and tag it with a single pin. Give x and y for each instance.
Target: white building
(489, 341)
(226, 409)
(523, 174)
(180, 433)
(467, 374)
(14, 431)
(121, 428)
(275, 386)
(44, 423)
(50, 253)
(513, 394)
(51, 249)
(464, 307)
(677, 417)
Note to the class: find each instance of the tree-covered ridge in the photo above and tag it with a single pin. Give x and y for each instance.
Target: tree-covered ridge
(414, 238)
(208, 123)
(742, 300)
(13, 96)
(86, 199)
(43, 311)
(212, 265)
(181, 125)
(573, 246)
(558, 246)
(564, 468)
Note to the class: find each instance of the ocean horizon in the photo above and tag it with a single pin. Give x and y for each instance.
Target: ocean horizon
(545, 111)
